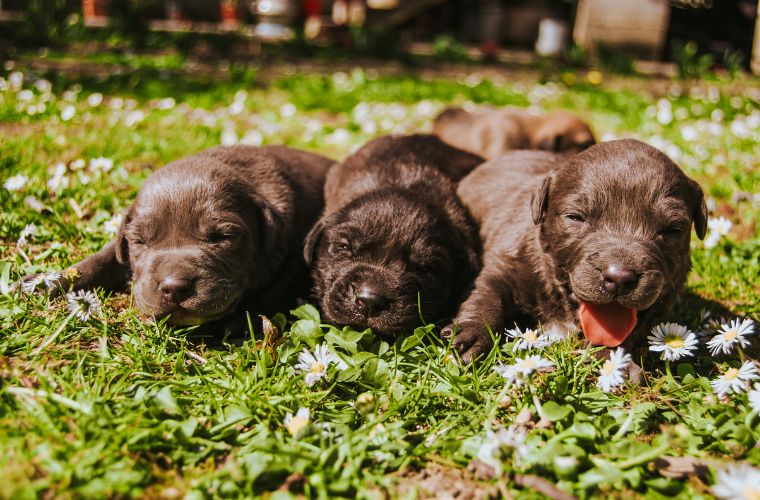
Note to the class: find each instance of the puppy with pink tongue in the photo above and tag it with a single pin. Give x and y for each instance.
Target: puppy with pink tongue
(597, 241)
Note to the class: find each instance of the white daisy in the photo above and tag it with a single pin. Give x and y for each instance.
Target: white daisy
(719, 225)
(735, 379)
(95, 99)
(83, 304)
(497, 446)
(29, 232)
(673, 340)
(68, 113)
(315, 365)
(294, 423)
(101, 164)
(529, 364)
(15, 183)
(50, 279)
(29, 285)
(754, 399)
(112, 225)
(611, 374)
(529, 339)
(509, 372)
(730, 334)
(738, 481)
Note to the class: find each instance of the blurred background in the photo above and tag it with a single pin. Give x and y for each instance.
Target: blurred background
(686, 38)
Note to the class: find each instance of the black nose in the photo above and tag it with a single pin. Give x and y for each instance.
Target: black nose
(370, 300)
(619, 280)
(175, 289)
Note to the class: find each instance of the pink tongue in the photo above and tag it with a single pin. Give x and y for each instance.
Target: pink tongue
(607, 324)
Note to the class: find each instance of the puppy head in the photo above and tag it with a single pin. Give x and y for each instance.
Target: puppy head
(615, 221)
(385, 257)
(562, 132)
(196, 240)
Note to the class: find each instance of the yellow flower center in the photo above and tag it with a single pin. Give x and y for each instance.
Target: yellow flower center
(731, 374)
(296, 424)
(317, 368)
(608, 367)
(674, 341)
(730, 335)
(751, 493)
(531, 336)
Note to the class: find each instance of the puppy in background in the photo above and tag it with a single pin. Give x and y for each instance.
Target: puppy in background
(597, 241)
(213, 235)
(491, 132)
(394, 240)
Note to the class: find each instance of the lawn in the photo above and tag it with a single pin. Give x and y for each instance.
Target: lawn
(108, 404)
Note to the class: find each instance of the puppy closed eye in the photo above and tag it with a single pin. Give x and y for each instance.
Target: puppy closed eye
(575, 218)
(222, 234)
(671, 231)
(341, 247)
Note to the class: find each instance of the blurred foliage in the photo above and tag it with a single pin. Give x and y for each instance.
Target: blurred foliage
(690, 63)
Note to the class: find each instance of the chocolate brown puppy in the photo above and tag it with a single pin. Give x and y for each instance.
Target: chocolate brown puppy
(215, 233)
(598, 240)
(393, 233)
(491, 132)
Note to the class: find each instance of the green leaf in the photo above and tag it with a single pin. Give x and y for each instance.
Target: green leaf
(306, 330)
(166, 402)
(554, 411)
(256, 463)
(307, 311)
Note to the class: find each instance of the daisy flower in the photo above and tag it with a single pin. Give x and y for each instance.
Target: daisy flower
(83, 304)
(529, 364)
(529, 339)
(29, 231)
(32, 283)
(738, 481)
(51, 279)
(611, 372)
(674, 341)
(15, 183)
(735, 379)
(754, 399)
(730, 334)
(492, 451)
(112, 225)
(294, 423)
(315, 365)
(101, 164)
(509, 372)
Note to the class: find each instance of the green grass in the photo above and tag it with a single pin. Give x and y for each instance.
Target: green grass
(117, 406)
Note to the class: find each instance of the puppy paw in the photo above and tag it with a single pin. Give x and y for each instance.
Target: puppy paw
(470, 339)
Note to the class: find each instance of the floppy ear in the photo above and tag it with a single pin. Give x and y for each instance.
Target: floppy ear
(271, 226)
(311, 241)
(699, 209)
(121, 246)
(540, 200)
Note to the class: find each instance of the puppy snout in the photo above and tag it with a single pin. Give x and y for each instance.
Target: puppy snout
(619, 280)
(370, 300)
(174, 290)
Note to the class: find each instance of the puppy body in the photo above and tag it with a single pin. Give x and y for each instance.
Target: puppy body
(214, 232)
(393, 230)
(491, 132)
(599, 236)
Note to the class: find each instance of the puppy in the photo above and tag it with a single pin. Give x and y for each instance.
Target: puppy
(491, 132)
(213, 234)
(598, 240)
(394, 241)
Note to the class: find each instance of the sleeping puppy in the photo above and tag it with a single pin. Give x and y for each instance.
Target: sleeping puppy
(598, 240)
(491, 132)
(393, 233)
(214, 233)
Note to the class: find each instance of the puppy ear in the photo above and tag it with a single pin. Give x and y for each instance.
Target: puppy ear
(540, 201)
(121, 246)
(699, 209)
(271, 226)
(311, 241)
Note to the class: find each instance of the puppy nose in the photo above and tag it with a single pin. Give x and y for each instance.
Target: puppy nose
(370, 300)
(175, 289)
(619, 280)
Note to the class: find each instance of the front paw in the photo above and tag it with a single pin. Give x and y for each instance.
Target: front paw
(471, 339)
